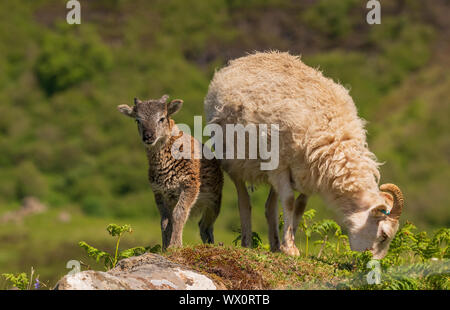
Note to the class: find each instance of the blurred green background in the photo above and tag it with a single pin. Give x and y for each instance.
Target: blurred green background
(63, 141)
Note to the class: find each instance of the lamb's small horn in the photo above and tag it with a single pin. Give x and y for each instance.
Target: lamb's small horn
(398, 199)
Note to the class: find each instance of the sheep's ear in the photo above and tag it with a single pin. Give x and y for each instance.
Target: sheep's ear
(126, 110)
(388, 197)
(174, 106)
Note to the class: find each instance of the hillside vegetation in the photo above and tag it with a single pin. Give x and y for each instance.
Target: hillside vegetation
(63, 141)
(415, 261)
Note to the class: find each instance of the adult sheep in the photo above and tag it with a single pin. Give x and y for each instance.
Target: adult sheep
(322, 149)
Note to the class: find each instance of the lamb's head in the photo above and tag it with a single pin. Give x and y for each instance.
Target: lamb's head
(374, 227)
(152, 118)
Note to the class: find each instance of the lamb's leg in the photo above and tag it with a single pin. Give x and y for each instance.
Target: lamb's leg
(166, 223)
(272, 220)
(245, 212)
(209, 216)
(283, 187)
(180, 214)
(300, 205)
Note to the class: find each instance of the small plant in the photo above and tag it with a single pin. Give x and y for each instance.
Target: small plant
(326, 227)
(109, 260)
(408, 244)
(21, 280)
(306, 225)
(414, 261)
(256, 241)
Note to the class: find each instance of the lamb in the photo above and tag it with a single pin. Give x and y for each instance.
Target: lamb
(181, 185)
(322, 149)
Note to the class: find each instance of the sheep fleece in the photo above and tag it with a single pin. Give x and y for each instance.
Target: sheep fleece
(322, 139)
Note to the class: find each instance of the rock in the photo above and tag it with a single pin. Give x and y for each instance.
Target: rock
(30, 205)
(64, 217)
(144, 272)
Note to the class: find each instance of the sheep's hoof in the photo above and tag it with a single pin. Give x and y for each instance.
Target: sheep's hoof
(292, 250)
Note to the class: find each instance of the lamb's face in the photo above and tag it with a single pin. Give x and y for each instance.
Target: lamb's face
(152, 121)
(152, 118)
(373, 228)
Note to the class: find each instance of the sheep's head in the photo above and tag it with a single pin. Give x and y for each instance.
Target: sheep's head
(374, 228)
(152, 118)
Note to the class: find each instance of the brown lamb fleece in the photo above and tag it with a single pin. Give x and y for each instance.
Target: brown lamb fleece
(181, 185)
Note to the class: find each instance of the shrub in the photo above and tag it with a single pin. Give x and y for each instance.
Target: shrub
(69, 57)
(331, 17)
(30, 181)
(404, 47)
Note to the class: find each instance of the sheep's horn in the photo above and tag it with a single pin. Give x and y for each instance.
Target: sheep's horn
(398, 199)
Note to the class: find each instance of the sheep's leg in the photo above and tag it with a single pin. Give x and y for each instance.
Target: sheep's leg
(283, 187)
(272, 220)
(180, 214)
(208, 218)
(300, 205)
(245, 211)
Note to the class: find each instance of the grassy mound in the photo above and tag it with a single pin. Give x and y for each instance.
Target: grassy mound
(249, 269)
(253, 269)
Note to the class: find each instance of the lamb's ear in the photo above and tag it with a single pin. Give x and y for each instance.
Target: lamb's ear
(174, 106)
(126, 110)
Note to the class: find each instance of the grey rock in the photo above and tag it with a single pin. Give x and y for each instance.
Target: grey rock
(145, 272)
(30, 206)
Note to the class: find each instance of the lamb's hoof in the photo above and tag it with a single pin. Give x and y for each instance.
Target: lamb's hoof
(292, 250)
(246, 243)
(275, 249)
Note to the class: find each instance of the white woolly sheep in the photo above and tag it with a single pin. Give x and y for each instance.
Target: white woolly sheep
(322, 149)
